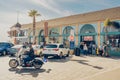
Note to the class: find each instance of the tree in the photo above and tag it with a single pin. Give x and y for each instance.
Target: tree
(33, 13)
(107, 23)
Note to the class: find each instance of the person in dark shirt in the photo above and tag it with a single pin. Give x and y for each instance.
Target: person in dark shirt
(81, 47)
(29, 55)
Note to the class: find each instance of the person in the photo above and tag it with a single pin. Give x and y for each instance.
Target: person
(29, 55)
(105, 49)
(90, 48)
(81, 47)
(93, 49)
(100, 50)
(85, 48)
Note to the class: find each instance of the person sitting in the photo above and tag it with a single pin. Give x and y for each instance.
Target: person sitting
(29, 55)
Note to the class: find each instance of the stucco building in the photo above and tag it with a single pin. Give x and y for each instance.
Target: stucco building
(86, 27)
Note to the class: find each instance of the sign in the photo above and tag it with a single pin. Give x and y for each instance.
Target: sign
(71, 38)
(88, 38)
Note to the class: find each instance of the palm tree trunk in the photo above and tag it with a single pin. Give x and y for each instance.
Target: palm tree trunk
(34, 29)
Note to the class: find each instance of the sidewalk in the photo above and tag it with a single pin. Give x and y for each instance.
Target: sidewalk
(110, 75)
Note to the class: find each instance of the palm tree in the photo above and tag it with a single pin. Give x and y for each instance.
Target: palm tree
(33, 13)
(107, 23)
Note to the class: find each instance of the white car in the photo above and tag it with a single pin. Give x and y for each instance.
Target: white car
(37, 50)
(55, 49)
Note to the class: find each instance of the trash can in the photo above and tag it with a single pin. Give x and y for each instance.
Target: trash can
(77, 51)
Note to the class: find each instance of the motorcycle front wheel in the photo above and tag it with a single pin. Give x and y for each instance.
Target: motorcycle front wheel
(13, 63)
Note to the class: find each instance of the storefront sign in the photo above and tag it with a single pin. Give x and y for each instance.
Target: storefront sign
(88, 38)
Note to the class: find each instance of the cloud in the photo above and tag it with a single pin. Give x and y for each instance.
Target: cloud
(3, 32)
(52, 5)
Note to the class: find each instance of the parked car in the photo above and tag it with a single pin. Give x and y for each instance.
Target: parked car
(38, 50)
(4, 47)
(13, 50)
(55, 49)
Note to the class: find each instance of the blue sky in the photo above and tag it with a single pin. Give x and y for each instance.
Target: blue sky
(47, 8)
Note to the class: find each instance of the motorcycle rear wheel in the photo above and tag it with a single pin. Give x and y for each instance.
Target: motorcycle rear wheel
(37, 66)
(13, 63)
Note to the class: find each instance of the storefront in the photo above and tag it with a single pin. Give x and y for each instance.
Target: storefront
(87, 34)
(113, 38)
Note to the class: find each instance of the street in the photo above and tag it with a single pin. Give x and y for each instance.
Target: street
(72, 68)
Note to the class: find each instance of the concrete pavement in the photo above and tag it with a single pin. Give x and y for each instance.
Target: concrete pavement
(72, 68)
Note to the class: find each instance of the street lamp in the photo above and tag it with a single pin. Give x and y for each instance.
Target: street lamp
(17, 31)
(18, 27)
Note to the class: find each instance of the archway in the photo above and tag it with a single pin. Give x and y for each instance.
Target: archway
(54, 35)
(68, 30)
(87, 34)
(41, 38)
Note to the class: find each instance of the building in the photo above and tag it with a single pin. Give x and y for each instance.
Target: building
(86, 27)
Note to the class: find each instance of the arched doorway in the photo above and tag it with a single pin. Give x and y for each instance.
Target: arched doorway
(41, 38)
(68, 30)
(87, 34)
(54, 35)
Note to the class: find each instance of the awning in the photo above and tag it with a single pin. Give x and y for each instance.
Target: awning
(87, 34)
(110, 33)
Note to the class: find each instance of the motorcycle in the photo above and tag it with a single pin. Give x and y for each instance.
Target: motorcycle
(36, 63)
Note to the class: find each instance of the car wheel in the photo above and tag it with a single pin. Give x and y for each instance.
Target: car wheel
(40, 54)
(4, 53)
(68, 54)
(0, 54)
(61, 55)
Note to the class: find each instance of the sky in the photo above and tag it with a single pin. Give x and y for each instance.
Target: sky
(48, 9)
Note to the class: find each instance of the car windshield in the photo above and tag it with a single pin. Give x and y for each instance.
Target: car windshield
(61, 46)
(51, 46)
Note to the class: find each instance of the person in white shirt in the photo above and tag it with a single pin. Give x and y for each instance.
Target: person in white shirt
(85, 48)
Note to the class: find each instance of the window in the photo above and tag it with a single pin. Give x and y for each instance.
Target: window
(51, 46)
(61, 46)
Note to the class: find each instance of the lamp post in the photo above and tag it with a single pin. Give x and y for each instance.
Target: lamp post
(17, 31)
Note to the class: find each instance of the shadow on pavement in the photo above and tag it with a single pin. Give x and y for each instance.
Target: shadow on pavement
(84, 62)
(27, 71)
(58, 59)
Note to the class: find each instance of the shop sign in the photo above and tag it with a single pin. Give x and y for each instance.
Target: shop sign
(88, 38)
